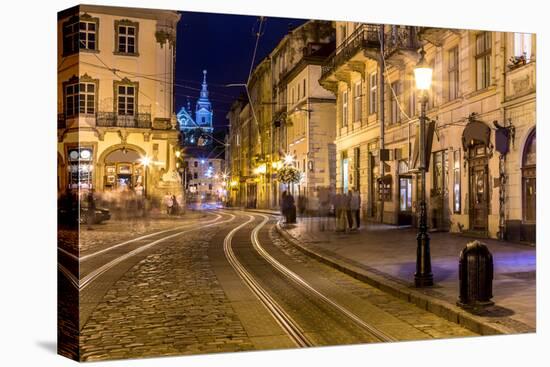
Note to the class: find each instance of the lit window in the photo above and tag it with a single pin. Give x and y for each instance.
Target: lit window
(522, 45)
(456, 181)
(344, 108)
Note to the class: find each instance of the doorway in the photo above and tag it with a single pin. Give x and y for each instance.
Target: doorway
(405, 200)
(478, 188)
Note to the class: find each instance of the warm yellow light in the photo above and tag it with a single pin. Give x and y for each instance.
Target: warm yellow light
(178, 153)
(423, 73)
(262, 168)
(234, 183)
(145, 161)
(224, 176)
(288, 159)
(216, 177)
(423, 78)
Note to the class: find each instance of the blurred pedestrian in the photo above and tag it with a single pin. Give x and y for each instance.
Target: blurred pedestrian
(347, 205)
(340, 211)
(166, 201)
(355, 206)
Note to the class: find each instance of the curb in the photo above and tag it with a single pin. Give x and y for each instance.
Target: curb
(436, 306)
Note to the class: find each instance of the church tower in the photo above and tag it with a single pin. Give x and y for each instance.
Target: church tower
(203, 110)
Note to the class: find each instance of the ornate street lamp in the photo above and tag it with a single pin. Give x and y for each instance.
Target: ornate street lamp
(423, 276)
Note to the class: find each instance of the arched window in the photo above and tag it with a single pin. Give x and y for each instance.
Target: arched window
(529, 179)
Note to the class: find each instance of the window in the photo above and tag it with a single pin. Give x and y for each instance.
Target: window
(126, 97)
(357, 101)
(126, 33)
(483, 60)
(412, 97)
(71, 99)
(304, 87)
(80, 96)
(203, 119)
(452, 72)
(298, 95)
(344, 108)
(522, 45)
(87, 35)
(395, 92)
(195, 175)
(373, 93)
(80, 33)
(456, 181)
(86, 98)
(196, 164)
(405, 194)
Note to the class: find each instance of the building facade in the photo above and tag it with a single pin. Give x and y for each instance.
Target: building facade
(205, 179)
(310, 133)
(116, 126)
(482, 174)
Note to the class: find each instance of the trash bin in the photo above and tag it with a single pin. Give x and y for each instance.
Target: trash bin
(475, 275)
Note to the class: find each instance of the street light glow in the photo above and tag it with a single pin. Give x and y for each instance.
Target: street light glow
(423, 73)
(288, 159)
(145, 161)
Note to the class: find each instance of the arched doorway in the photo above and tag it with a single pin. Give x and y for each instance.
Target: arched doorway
(529, 189)
(122, 169)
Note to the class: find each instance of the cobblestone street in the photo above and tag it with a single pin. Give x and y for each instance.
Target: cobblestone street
(168, 304)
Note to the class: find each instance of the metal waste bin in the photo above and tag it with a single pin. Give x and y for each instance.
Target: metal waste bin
(475, 275)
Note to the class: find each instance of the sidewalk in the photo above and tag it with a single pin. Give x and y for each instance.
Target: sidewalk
(385, 256)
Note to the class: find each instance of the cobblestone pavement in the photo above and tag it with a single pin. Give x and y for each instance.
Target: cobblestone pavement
(113, 231)
(170, 303)
(422, 324)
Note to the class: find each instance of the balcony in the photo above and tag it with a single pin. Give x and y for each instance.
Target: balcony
(401, 43)
(433, 35)
(365, 38)
(112, 119)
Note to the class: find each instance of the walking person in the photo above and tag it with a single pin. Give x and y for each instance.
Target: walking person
(340, 208)
(348, 212)
(355, 206)
(169, 204)
(175, 206)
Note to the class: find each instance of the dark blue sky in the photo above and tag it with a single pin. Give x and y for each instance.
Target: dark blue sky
(223, 45)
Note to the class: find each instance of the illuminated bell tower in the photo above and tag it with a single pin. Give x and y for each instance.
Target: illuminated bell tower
(203, 110)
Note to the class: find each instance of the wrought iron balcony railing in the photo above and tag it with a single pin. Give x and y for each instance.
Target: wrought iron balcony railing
(366, 36)
(112, 119)
(400, 38)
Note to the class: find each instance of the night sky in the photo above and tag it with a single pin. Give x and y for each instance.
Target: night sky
(223, 45)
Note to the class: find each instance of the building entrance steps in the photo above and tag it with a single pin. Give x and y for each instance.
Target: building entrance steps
(385, 256)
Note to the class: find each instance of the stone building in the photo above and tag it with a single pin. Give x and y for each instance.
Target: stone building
(116, 125)
(259, 128)
(204, 177)
(482, 173)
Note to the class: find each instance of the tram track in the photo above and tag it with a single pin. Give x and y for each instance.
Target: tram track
(92, 275)
(127, 242)
(287, 323)
(292, 276)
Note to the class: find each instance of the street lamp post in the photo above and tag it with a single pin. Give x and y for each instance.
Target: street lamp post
(423, 276)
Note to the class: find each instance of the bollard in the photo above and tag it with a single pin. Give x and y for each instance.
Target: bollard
(475, 274)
